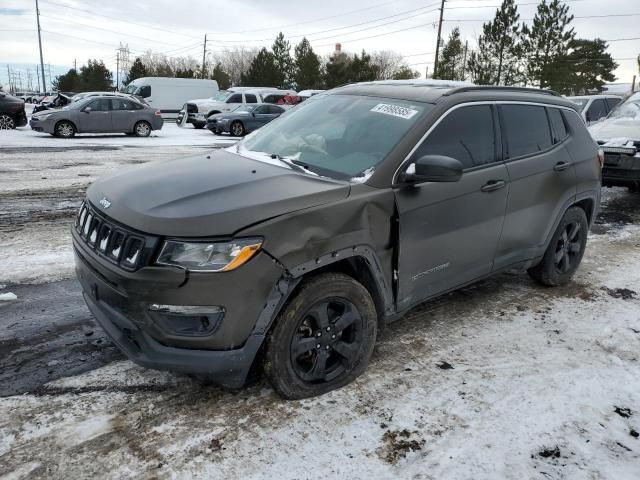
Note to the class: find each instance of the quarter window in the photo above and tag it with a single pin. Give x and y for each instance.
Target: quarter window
(557, 124)
(526, 129)
(466, 134)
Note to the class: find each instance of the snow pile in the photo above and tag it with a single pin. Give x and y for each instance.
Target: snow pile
(8, 297)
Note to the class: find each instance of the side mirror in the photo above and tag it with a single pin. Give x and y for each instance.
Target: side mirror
(87, 110)
(433, 168)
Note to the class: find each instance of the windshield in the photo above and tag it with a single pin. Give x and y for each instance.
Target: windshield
(221, 96)
(131, 89)
(580, 101)
(630, 108)
(339, 136)
(245, 108)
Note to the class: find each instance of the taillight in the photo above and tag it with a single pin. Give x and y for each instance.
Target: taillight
(158, 113)
(601, 157)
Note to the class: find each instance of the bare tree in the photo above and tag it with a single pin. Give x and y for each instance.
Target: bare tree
(236, 62)
(387, 63)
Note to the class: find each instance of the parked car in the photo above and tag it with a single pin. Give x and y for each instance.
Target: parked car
(304, 238)
(59, 101)
(244, 119)
(106, 114)
(170, 94)
(12, 113)
(594, 107)
(80, 96)
(197, 111)
(307, 94)
(619, 137)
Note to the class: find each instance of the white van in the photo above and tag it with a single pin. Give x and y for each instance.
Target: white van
(170, 94)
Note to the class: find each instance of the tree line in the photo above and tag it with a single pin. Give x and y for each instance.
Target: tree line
(545, 54)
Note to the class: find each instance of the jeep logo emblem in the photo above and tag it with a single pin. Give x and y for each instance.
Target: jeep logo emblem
(105, 203)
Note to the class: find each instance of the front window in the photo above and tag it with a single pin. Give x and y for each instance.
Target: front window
(628, 109)
(339, 136)
(221, 96)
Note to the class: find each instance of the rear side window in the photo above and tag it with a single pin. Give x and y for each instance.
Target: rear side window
(275, 110)
(526, 129)
(250, 98)
(466, 134)
(612, 102)
(597, 110)
(557, 125)
(120, 104)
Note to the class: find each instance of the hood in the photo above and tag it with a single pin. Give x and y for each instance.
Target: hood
(610, 128)
(205, 197)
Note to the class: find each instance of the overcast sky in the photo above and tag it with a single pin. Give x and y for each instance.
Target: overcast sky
(90, 29)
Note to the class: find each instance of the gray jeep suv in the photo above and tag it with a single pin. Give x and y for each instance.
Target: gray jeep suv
(290, 249)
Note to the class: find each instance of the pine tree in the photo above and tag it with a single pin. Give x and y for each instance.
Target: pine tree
(338, 70)
(137, 70)
(405, 73)
(306, 71)
(69, 82)
(263, 71)
(497, 61)
(450, 62)
(220, 76)
(547, 40)
(96, 76)
(584, 69)
(282, 57)
(362, 69)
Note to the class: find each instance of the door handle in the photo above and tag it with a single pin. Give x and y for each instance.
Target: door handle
(561, 166)
(493, 185)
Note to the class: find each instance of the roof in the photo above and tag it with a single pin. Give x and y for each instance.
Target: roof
(432, 91)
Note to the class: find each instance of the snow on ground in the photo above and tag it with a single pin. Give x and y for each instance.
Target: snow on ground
(170, 134)
(544, 383)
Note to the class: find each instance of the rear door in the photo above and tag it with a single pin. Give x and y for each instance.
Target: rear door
(542, 178)
(96, 117)
(449, 231)
(124, 114)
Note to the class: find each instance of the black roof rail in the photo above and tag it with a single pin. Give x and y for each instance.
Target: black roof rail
(473, 88)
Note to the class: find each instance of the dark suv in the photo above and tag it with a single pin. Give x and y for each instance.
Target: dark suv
(290, 249)
(12, 112)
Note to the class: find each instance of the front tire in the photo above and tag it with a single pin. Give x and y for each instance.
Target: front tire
(65, 129)
(142, 129)
(565, 251)
(198, 126)
(237, 129)
(323, 339)
(6, 122)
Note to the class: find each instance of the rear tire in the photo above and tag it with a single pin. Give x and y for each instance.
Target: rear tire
(236, 129)
(323, 339)
(142, 129)
(198, 126)
(6, 122)
(565, 251)
(65, 129)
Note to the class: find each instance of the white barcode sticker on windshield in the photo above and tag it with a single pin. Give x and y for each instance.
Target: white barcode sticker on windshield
(395, 110)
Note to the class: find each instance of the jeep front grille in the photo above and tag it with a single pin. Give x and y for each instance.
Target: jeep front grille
(112, 241)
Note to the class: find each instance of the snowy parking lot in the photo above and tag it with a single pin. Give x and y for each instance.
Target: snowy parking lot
(502, 379)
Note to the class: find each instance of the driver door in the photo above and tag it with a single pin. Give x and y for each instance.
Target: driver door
(449, 232)
(96, 117)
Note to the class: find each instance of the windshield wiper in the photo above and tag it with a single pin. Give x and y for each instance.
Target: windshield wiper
(294, 164)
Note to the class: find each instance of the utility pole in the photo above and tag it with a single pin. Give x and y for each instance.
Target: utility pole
(435, 63)
(44, 84)
(204, 55)
(117, 70)
(464, 60)
(75, 65)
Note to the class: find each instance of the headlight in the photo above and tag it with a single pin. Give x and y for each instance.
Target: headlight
(209, 256)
